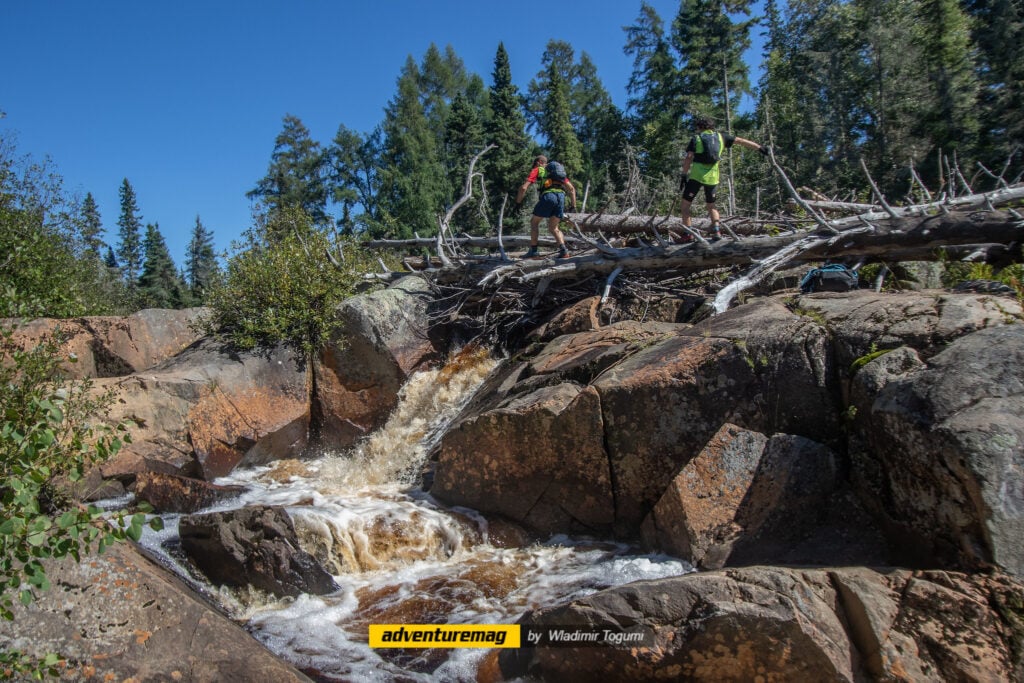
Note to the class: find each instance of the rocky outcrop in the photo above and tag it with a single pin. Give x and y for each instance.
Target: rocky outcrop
(916, 394)
(118, 616)
(384, 338)
(253, 546)
(747, 499)
(208, 410)
(108, 346)
(772, 623)
(940, 452)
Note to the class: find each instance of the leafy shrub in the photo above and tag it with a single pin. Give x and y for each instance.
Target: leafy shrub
(47, 439)
(283, 287)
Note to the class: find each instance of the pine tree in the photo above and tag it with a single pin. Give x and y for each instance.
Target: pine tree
(295, 177)
(129, 248)
(943, 34)
(159, 286)
(710, 47)
(200, 262)
(507, 166)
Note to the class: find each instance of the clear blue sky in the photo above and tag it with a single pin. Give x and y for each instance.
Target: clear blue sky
(185, 98)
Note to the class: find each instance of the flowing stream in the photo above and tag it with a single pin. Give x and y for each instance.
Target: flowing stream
(398, 555)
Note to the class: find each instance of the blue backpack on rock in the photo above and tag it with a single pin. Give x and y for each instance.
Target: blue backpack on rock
(834, 277)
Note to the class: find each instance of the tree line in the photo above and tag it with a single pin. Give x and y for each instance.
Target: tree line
(54, 261)
(915, 88)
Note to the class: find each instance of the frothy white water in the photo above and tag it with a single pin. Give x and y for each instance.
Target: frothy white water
(398, 556)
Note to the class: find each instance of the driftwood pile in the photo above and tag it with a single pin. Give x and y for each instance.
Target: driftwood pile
(622, 251)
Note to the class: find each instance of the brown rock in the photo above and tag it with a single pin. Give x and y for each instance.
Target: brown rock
(255, 546)
(107, 346)
(169, 493)
(699, 516)
(360, 370)
(772, 623)
(117, 616)
(512, 460)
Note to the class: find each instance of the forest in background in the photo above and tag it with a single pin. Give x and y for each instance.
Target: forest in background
(915, 88)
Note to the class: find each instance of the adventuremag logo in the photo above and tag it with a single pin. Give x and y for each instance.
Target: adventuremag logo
(509, 635)
(444, 635)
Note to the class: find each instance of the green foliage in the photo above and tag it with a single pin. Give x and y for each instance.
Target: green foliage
(285, 289)
(505, 167)
(48, 265)
(129, 249)
(159, 284)
(47, 439)
(873, 353)
(295, 177)
(958, 271)
(201, 265)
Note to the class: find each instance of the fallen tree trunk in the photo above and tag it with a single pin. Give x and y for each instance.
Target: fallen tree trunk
(923, 237)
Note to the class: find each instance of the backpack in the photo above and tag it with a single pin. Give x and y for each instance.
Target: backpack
(833, 277)
(555, 172)
(707, 148)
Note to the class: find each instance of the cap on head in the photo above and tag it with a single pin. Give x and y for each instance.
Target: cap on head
(540, 160)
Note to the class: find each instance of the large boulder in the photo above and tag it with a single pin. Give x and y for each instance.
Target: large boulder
(111, 346)
(750, 499)
(942, 456)
(772, 623)
(658, 392)
(118, 616)
(384, 338)
(863, 322)
(253, 546)
(208, 410)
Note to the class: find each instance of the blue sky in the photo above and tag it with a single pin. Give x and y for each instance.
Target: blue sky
(185, 99)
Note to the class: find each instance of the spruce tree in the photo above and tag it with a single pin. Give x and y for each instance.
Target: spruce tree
(354, 163)
(655, 101)
(507, 166)
(129, 248)
(91, 227)
(557, 125)
(464, 135)
(159, 286)
(200, 262)
(295, 177)
(997, 29)
(414, 184)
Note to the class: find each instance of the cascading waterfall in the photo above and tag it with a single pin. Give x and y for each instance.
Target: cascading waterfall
(399, 556)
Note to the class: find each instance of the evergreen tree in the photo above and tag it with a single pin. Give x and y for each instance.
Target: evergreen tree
(159, 286)
(110, 261)
(710, 46)
(997, 29)
(129, 248)
(655, 102)
(295, 177)
(557, 125)
(464, 138)
(354, 177)
(414, 183)
(200, 262)
(91, 227)
(507, 166)
(950, 114)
